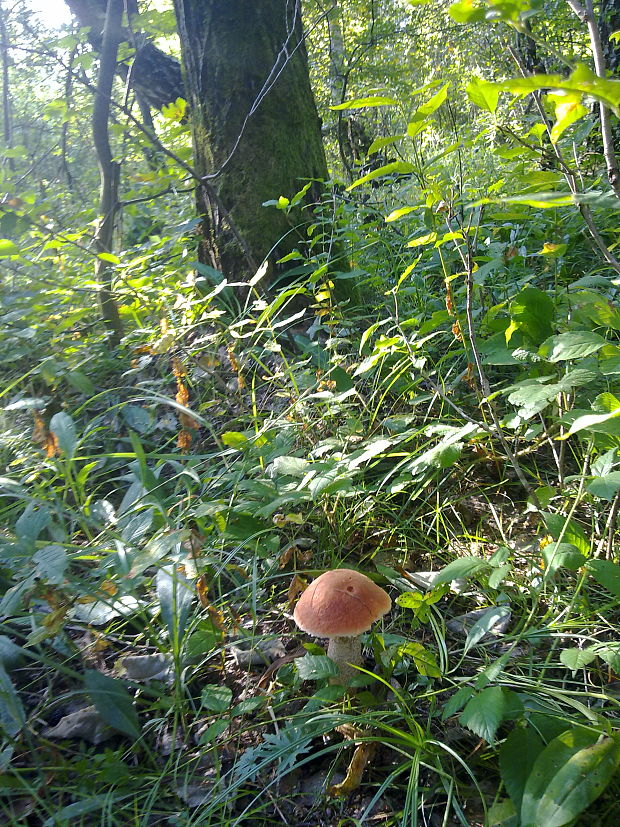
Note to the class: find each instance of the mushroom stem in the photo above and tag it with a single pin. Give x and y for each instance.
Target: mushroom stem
(344, 651)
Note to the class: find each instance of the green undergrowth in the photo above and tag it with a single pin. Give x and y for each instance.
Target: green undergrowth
(153, 584)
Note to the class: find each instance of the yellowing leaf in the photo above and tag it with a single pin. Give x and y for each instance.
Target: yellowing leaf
(568, 109)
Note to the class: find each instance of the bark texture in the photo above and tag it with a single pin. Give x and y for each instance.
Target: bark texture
(255, 125)
(155, 76)
(108, 168)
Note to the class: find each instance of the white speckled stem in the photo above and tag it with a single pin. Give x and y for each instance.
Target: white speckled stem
(343, 651)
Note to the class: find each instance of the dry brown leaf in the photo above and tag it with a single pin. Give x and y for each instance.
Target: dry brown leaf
(362, 755)
(298, 585)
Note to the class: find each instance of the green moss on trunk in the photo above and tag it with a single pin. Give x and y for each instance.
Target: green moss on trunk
(254, 118)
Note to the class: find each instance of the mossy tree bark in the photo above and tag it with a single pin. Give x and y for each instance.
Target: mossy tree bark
(255, 125)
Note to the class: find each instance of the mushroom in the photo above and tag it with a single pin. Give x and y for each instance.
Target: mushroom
(340, 605)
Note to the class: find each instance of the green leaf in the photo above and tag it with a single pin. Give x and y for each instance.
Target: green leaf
(484, 625)
(467, 11)
(568, 109)
(483, 94)
(12, 717)
(484, 712)
(395, 167)
(216, 698)
(8, 248)
(315, 667)
(460, 569)
(424, 661)
(364, 103)
(532, 312)
(516, 758)
(63, 428)
(575, 659)
(561, 555)
(234, 439)
(429, 238)
(381, 143)
(109, 257)
(605, 487)
(51, 562)
(606, 573)
(175, 594)
(569, 530)
(568, 775)
(575, 345)
(113, 702)
(431, 105)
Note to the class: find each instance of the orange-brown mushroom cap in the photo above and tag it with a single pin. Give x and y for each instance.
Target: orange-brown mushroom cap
(340, 603)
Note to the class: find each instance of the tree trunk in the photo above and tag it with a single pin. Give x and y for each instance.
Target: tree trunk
(256, 130)
(108, 168)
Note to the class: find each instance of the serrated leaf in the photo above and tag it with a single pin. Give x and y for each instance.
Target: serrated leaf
(113, 702)
(315, 667)
(568, 775)
(575, 659)
(484, 712)
(576, 345)
(216, 698)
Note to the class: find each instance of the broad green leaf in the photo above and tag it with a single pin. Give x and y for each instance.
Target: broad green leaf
(113, 702)
(424, 661)
(8, 248)
(483, 94)
(364, 103)
(568, 775)
(575, 659)
(568, 109)
(175, 594)
(216, 698)
(12, 717)
(460, 569)
(109, 257)
(607, 574)
(429, 238)
(431, 105)
(532, 311)
(396, 214)
(63, 428)
(315, 667)
(234, 439)
(51, 562)
(605, 487)
(575, 345)
(595, 421)
(395, 167)
(582, 80)
(610, 654)
(467, 11)
(484, 712)
(561, 555)
(484, 625)
(381, 143)
(569, 530)
(291, 466)
(516, 758)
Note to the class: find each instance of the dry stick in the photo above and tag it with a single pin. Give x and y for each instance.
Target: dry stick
(569, 176)
(108, 168)
(587, 17)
